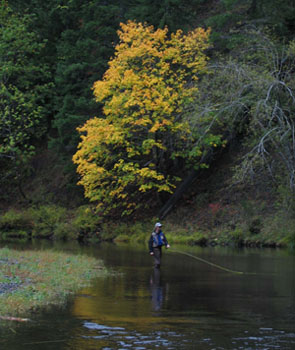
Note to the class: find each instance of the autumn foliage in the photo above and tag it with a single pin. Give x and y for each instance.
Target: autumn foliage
(129, 150)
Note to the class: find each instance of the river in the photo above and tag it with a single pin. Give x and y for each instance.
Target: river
(186, 304)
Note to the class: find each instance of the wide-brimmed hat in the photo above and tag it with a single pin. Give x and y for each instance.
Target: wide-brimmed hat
(158, 224)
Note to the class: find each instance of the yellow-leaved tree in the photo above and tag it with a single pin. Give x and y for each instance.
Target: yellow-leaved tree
(130, 150)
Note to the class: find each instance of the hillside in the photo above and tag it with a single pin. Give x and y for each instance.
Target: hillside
(186, 113)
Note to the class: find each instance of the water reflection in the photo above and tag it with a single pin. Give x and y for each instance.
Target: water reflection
(157, 290)
(185, 305)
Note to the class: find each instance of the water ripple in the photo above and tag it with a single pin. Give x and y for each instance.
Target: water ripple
(123, 339)
(135, 340)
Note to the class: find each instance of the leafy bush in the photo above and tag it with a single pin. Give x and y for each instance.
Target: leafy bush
(187, 238)
(15, 219)
(138, 232)
(64, 231)
(15, 224)
(280, 228)
(255, 225)
(238, 235)
(290, 240)
(47, 220)
(122, 238)
(85, 222)
(19, 234)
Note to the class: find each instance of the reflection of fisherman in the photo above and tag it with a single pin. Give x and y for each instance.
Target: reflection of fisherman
(157, 290)
(156, 242)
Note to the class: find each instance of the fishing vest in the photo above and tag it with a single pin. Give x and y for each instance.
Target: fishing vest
(158, 239)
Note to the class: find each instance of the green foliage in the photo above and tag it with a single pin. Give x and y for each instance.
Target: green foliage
(14, 219)
(138, 232)
(232, 19)
(249, 209)
(280, 228)
(79, 43)
(24, 87)
(248, 95)
(85, 222)
(82, 54)
(285, 198)
(255, 225)
(186, 237)
(237, 236)
(48, 219)
(219, 21)
(174, 14)
(85, 46)
(15, 224)
(279, 15)
(290, 240)
(19, 124)
(64, 231)
(122, 238)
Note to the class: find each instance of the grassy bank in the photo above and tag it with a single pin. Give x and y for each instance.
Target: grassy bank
(270, 231)
(49, 221)
(30, 280)
(247, 222)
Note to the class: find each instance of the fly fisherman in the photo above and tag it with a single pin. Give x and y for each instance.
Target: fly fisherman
(156, 242)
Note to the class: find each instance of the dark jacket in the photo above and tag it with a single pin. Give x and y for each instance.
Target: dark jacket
(157, 240)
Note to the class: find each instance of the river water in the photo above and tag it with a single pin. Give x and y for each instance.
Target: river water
(185, 305)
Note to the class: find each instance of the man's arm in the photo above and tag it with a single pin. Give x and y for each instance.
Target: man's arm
(166, 242)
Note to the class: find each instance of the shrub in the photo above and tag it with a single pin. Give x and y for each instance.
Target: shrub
(138, 232)
(46, 219)
(183, 237)
(290, 240)
(280, 228)
(86, 222)
(15, 224)
(122, 238)
(238, 235)
(64, 231)
(110, 231)
(255, 225)
(19, 234)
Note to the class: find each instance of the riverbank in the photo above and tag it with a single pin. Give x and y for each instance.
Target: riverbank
(30, 280)
(191, 235)
(241, 223)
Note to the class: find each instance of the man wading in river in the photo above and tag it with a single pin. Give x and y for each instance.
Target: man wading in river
(156, 242)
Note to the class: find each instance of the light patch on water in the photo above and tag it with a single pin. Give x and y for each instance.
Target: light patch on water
(267, 339)
(92, 325)
(120, 338)
(132, 339)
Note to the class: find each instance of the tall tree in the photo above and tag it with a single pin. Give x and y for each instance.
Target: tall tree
(86, 45)
(174, 14)
(23, 91)
(82, 55)
(129, 151)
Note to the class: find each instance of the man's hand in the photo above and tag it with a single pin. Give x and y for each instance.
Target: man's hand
(151, 253)
(167, 246)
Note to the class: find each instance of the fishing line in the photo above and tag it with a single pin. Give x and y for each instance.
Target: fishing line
(212, 264)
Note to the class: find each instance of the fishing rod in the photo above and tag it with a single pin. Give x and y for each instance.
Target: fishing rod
(211, 263)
